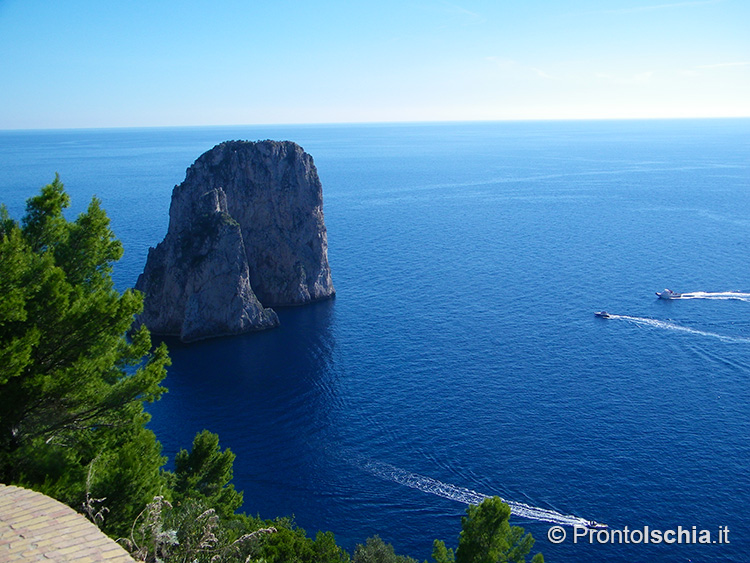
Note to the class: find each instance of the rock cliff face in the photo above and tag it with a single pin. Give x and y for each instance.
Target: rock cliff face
(246, 232)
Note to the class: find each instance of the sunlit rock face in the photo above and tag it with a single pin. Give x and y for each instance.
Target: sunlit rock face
(246, 232)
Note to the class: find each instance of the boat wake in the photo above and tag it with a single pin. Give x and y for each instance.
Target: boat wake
(723, 295)
(672, 326)
(464, 495)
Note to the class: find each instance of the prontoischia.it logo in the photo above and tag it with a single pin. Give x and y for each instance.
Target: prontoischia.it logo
(644, 535)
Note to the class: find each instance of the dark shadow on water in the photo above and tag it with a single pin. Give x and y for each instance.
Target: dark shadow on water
(269, 395)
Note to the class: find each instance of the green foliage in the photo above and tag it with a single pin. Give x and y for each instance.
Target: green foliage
(376, 550)
(327, 550)
(72, 386)
(291, 544)
(205, 473)
(487, 537)
(44, 225)
(441, 554)
(191, 532)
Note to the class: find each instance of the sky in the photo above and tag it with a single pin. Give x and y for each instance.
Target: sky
(91, 63)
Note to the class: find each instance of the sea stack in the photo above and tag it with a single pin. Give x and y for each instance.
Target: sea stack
(246, 233)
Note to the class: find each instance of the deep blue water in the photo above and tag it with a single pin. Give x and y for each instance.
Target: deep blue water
(461, 352)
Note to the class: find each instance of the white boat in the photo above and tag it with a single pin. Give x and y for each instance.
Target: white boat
(594, 525)
(668, 294)
(602, 314)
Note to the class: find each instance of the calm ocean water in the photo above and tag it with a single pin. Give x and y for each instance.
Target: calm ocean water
(461, 355)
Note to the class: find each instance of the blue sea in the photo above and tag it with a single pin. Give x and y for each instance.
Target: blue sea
(461, 356)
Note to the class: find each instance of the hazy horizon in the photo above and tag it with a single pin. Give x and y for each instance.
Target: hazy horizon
(377, 123)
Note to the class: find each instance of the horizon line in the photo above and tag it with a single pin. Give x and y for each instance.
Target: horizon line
(383, 123)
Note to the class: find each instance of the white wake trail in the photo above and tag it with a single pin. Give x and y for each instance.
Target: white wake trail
(671, 326)
(723, 295)
(464, 495)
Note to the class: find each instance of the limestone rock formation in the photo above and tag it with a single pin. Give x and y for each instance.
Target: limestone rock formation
(246, 233)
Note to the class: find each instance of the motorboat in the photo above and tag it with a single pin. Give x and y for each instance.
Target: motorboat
(668, 294)
(602, 315)
(594, 525)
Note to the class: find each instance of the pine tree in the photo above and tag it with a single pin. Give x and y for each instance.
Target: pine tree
(204, 473)
(487, 537)
(72, 385)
